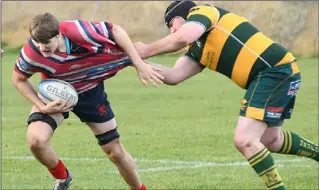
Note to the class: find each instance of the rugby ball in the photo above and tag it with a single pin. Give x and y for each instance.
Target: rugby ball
(54, 89)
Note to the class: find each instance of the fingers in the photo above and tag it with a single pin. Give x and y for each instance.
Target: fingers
(58, 106)
(158, 79)
(157, 69)
(144, 82)
(159, 76)
(66, 106)
(153, 83)
(154, 79)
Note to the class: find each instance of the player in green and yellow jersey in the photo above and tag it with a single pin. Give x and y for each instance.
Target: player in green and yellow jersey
(227, 43)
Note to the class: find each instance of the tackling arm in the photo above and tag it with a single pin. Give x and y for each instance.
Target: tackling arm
(183, 69)
(187, 34)
(123, 40)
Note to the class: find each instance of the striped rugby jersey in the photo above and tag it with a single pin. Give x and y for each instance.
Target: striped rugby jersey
(83, 69)
(232, 46)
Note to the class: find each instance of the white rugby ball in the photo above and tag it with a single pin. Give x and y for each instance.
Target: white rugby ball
(54, 89)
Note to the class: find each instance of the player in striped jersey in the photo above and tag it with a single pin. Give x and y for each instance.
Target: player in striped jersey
(227, 43)
(83, 54)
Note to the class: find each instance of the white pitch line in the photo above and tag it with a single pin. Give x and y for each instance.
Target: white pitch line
(177, 164)
(165, 161)
(280, 163)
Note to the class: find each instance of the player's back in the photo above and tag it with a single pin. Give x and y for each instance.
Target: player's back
(233, 46)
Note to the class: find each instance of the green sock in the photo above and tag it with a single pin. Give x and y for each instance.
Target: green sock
(264, 165)
(297, 145)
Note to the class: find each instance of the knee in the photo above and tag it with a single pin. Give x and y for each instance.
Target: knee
(270, 140)
(242, 142)
(273, 142)
(110, 143)
(35, 142)
(114, 150)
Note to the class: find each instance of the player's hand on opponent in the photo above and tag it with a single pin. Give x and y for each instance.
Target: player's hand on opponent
(146, 73)
(141, 49)
(56, 106)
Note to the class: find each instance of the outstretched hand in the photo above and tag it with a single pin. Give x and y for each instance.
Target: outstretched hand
(147, 73)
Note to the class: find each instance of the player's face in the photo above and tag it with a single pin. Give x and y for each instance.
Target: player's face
(48, 49)
(176, 23)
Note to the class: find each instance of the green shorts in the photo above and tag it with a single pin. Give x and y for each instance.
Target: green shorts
(271, 95)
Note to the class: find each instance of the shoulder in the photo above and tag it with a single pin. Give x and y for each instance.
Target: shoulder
(206, 15)
(30, 50)
(205, 10)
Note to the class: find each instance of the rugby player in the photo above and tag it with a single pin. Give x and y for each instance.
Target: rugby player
(83, 54)
(227, 43)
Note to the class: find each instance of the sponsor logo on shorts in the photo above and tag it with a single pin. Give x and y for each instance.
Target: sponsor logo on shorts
(293, 89)
(290, 111)
(274, 112)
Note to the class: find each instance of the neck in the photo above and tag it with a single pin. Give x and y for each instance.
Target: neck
(62, 46)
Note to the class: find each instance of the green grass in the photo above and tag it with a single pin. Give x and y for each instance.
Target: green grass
(193, 121)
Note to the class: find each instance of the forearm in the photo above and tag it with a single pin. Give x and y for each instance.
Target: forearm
(27, 90)
(183, 69)
(123, 40)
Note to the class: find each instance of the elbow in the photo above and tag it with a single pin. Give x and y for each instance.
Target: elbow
(116, 28)
(187, 39)
(181, 42)
(173, 81)
(17, 79)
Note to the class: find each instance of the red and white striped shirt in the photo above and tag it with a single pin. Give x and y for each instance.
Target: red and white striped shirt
(83, 70)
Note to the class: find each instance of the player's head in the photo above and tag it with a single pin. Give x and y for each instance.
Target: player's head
(44, 31)
(176, 14)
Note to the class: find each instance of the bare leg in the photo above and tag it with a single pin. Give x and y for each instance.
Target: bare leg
(117, 154)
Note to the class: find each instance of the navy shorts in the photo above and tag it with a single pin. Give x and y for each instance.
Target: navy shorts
(93, 106)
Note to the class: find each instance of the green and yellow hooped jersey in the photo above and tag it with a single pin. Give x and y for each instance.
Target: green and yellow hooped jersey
(232, 46)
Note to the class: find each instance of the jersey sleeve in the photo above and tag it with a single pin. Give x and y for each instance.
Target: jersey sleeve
(191, 53)
(94, 36)
(23, 64)
(105, 29)
(205, 15)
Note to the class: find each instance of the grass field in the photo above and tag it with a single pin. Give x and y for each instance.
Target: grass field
(181, 136)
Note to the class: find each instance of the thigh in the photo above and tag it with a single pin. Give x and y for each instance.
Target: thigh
(107, 135)
(93, 106)
(101, 128)
(270, 95)
(38, 128)
(249, 128)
